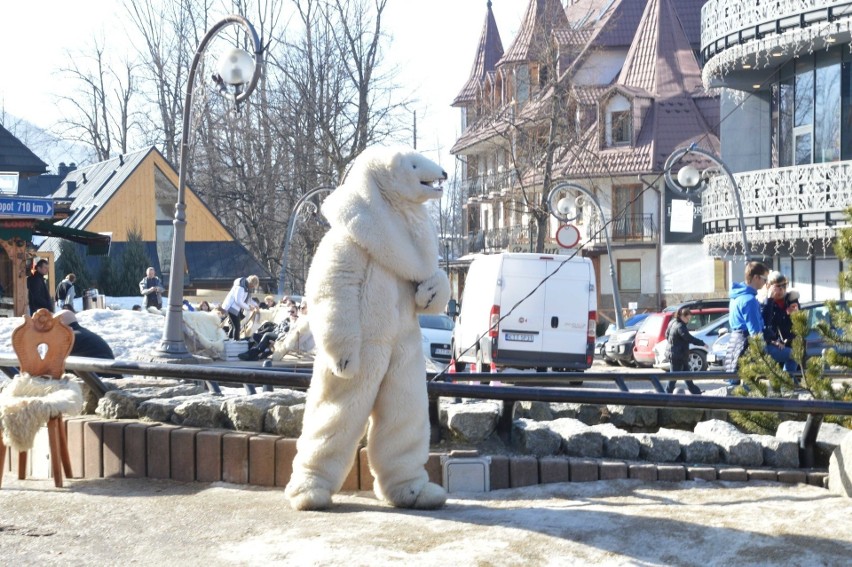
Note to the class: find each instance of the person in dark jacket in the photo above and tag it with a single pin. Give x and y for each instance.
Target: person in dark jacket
(776, 321)
(151, 289)
(87, 343)
(37, 290)
(679, 339)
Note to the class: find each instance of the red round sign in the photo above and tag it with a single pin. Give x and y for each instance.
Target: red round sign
(567, 236)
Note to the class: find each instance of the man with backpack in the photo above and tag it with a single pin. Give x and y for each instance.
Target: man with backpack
(65, 292)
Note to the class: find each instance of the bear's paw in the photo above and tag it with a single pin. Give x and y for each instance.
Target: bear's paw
(433, 293)
(432, 496)
(309, 498)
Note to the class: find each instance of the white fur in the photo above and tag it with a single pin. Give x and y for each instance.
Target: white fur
(28, 402)
(375, 269)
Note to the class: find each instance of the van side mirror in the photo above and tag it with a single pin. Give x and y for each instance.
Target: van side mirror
(453, 308)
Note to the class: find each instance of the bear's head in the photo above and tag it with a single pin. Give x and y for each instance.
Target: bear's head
(401, 175)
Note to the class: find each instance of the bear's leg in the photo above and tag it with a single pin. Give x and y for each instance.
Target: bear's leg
(398, 443)
(336, 414)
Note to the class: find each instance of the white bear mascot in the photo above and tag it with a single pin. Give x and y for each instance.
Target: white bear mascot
(374, 271)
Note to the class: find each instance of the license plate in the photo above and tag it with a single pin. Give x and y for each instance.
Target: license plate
(519, 337)
(711, 357)
(643, 342)
(442, 352)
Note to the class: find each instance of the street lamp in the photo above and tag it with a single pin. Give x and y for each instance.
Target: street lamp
(567, 209)
(692, 182)
(291, 229)
(238, 73)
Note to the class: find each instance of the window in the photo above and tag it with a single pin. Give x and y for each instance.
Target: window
(618, 122)
(629, 275)
(627, 215)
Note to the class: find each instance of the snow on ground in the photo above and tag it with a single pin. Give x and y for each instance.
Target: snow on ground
(132, 335)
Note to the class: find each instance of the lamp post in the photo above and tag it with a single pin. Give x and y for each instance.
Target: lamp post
(238, 70)
(291, 229)
(560, 206)
(692, 182)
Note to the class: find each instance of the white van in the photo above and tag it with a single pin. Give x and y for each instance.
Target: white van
(508, 319)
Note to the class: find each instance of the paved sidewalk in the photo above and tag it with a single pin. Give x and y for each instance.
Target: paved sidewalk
(117, 522)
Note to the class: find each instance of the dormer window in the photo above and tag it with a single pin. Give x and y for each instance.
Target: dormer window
(619, 122)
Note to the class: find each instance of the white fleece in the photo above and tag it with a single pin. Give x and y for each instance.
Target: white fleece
(374, 270)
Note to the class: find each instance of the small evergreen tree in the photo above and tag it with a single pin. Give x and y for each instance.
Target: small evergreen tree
(71, 262)
(106, 277)
(762, 376)
(134, 262)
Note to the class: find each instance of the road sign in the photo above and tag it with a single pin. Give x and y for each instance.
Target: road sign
(567, 236)
(26, 207)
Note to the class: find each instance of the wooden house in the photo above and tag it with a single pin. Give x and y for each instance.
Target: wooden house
(137, 192)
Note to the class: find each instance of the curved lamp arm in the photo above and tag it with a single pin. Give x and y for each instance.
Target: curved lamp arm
(679, 154)
(291, 229)
(563, 216)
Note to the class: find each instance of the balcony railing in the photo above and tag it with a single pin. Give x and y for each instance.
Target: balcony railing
(475, 187)
(728, 23)
(782, 204)
(627, 229)
(497, 239)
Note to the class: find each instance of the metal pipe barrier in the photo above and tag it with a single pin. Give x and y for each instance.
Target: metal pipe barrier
(90, 369)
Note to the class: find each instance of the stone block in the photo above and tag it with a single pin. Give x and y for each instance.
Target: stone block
(285, 452)
(644, 472)
(613, 470)
(535, 438)
(700, 473)
(235, 457)
(762, 474)
(208, 455)
(830, 436)
(499, 472)
(617, 443)
(93, 449)
(735, 474)
(778, 453)
(352, 481)
(365, 475)
(583, 470)
(159, 451)
(553, 469)
(523, 471)
(182, 454)
(434, 468)
(473, 422)
(737, 447)
(792, 476)
(633, 417)
(671, 473)
(840, 468)
(113, 449)
(136, 450)
(262, 460)
(578, 439)
(817, 478)
(656, 449)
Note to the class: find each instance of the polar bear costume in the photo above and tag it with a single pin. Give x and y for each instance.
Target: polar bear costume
(373, 272)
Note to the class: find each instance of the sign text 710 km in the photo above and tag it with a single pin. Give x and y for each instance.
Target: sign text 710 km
(26, 207)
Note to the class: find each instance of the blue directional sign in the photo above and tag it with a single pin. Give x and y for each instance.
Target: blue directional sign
(26, 207)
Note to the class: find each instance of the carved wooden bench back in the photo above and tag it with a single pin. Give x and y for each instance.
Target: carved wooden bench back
(43, 329)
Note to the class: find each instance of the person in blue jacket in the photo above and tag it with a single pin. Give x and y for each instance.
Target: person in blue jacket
(744, 316)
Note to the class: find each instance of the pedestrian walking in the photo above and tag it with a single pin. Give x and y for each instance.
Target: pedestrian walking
(679, 339)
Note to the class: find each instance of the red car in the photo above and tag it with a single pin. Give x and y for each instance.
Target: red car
(653, 329)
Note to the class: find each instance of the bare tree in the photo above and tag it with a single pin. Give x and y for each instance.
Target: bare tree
(103, 114)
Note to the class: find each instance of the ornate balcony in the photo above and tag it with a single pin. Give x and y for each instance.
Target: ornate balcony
(780, 206)
(754, 34)
(484, 185)
(627, 229)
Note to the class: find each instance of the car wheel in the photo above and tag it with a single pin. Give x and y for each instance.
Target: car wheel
(697, 361)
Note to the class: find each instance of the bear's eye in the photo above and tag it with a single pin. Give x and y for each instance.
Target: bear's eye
(413, 166)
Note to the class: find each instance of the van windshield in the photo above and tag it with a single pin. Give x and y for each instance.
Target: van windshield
(441, 322)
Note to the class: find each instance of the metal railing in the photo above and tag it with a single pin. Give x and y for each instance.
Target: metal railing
(637, 228)
(558, 390)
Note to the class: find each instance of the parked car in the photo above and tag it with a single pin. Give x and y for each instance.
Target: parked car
(437, 332)
(601, 341)
(814, 343)
(697, 360)
(619, 347)
(653, 329)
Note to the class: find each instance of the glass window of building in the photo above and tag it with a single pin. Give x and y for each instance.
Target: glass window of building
(827, 107)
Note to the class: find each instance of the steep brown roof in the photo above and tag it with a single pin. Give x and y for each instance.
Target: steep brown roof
(542, 17)
(660, 59)
(660, 65)
(488, 53)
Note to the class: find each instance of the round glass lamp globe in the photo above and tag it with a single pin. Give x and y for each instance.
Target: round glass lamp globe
(564, 205)
(236, 66)
(688, 177)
